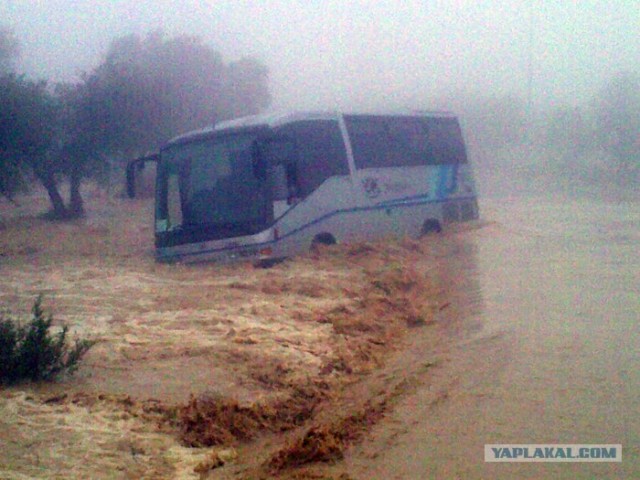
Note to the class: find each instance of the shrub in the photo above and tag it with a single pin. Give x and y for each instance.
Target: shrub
(32, 352)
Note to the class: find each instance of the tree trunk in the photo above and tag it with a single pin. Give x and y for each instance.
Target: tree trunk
(76, 205)
(49, 182)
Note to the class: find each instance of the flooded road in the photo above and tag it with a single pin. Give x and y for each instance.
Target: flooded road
(527, 332)
(544, 342)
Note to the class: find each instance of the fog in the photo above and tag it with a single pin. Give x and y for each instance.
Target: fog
(358, 54)
(523, 325)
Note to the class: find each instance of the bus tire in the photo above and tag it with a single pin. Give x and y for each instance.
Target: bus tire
(430, 226)
(322, 239)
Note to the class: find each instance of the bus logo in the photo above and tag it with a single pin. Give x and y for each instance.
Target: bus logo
(371, 187)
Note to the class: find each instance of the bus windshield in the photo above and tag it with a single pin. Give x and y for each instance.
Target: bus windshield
(208, 188)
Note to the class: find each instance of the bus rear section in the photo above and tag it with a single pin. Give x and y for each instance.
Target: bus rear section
(269, 187)
(413, 167)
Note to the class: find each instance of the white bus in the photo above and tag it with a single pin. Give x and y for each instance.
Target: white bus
(266, 187)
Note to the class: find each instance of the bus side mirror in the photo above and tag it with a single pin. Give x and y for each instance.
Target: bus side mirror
(131, 179)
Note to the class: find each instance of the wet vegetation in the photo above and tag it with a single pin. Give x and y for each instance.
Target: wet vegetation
(32, 352)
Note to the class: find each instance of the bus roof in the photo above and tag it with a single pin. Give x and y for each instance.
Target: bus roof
(282, 118)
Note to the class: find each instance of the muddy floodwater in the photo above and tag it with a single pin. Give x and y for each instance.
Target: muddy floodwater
(540, 345)
(396, 360)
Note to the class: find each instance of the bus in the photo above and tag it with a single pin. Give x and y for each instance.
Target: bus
(266, 187)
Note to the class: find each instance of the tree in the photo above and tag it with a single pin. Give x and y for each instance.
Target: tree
(245, 90)
(29, 129)
(146, 91)
(150, 89)
(28, 124)
(618, 121)
(9, 51)
(11, 178)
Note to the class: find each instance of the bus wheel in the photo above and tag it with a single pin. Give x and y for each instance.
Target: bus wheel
(322, 239)
(430, 226)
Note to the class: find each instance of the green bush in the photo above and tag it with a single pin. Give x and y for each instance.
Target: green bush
(32, 352)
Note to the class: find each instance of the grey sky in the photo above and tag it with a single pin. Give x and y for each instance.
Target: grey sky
(345, 54)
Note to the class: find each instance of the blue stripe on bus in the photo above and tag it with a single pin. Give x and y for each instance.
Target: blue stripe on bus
(406, 202)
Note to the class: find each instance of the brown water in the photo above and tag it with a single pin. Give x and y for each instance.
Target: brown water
(540, 345)
(535, 342)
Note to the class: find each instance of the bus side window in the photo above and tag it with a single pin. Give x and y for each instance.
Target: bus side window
(319, 154)
(279, 154)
